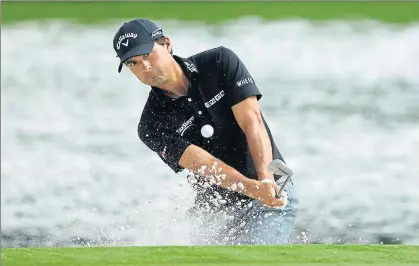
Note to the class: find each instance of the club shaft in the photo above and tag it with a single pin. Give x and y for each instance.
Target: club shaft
(278, 195)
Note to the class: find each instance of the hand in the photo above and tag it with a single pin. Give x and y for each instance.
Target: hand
(265, 191)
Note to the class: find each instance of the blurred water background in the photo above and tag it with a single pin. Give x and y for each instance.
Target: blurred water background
(341, 98)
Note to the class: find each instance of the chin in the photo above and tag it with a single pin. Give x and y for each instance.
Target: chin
(153, 82)
(159, 80)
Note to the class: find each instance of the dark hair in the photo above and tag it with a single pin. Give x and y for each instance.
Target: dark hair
(162, 42)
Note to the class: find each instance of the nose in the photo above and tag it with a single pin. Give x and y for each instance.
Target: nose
(145, 66)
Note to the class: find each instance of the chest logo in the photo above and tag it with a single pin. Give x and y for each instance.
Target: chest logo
(215, 99)
(185, 126)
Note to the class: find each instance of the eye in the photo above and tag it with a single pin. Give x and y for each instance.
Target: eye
(130, 63)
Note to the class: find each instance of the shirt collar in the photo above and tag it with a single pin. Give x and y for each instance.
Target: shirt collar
(189, 69)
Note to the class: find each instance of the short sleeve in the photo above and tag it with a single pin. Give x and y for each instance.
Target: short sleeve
(160, 138)
(236, 79)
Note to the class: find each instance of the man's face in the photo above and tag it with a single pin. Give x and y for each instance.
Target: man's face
(152, 69)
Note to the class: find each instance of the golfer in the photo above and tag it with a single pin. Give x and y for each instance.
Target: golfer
(202, 115)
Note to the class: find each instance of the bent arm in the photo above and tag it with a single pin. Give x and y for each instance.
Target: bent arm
(249, 119)
(243, 95)
(216, 171)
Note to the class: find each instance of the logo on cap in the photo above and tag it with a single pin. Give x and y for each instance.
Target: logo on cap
(123, 37)
(156, 33)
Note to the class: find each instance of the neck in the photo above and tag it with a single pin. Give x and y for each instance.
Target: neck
(178, 84)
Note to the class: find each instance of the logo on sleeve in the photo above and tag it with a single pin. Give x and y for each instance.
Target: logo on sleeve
(163, 153)
(244, 82)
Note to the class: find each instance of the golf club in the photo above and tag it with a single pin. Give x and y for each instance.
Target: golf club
(278, 167)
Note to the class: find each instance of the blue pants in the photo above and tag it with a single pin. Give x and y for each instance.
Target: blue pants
(254, 225)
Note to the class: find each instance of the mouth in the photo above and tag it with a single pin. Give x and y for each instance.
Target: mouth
(152, 74)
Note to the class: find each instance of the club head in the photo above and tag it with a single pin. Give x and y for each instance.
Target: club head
(278, 167)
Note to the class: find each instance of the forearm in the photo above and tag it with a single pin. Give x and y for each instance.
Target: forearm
(249, 118)
(260, 148)
(216, 171)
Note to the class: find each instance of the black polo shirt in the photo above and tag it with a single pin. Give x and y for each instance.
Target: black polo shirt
(218, 80)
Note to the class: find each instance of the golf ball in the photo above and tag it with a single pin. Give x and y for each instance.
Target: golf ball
(207, 131)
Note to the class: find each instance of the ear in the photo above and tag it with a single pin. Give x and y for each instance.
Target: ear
(168, 44)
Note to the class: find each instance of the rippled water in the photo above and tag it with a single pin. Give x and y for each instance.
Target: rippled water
(341, 99)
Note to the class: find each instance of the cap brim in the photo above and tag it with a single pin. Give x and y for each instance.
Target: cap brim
(144, 48)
